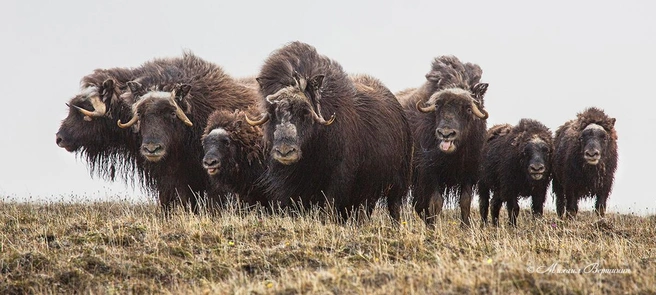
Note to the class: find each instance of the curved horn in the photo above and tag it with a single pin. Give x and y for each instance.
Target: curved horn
(481, 113)
(181, 115)
(321, 120)
(134, 119)
(317, 115)
(264, 119)
(178, 111)
(99, 108)
(428, 109)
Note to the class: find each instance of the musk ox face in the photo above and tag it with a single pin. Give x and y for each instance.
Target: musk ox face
(292, 126)
(594, 142)
(536, 156)
(161, 121)
(293, 118)
(87, 118)
(454, 109)
(220, 150)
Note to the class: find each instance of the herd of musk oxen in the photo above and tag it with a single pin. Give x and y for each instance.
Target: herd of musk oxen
(304, 132)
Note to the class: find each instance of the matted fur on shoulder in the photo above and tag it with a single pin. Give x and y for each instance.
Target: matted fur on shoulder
(498, 130)
(278, 70)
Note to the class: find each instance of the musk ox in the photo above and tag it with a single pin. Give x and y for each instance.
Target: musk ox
(90, 127)
(234, 156)
(516, 162)
(585, 161)
(357, 156)
(170, 110)
(448, 124)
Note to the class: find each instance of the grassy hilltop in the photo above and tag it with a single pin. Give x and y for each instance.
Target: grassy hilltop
(119, 247)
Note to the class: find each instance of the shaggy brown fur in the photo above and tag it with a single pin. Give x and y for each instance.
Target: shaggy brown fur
(585, 161)
(364, 155)
(450, 86)
(108, 149)
(173, 149)
(234, 156)
(516, 162)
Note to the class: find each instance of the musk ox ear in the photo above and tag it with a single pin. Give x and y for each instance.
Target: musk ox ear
(479, 90)
(135, 87)
(182, 91)
(108, 90)
(301, 83)
(261, 81)
(317, 81)
(612, 122)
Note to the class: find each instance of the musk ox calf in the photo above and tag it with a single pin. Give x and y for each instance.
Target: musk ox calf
(356, 156)
(516, 162)
(448, 124)
(234, 156)
(170, 111)
(90, 127)
(585, 161)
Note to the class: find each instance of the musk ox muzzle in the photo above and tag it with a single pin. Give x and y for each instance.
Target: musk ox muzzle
(212, 162)
(285, 144)
(153, 152)
(63, 142)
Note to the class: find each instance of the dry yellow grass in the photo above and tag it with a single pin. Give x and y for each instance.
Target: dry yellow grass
(108, 248)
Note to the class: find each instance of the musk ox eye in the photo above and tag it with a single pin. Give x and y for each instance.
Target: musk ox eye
(469, 110)
(173, 115)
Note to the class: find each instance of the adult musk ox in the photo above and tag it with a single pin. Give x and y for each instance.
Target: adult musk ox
(516, 162)
(585, 161)
(90, 127)
(448, 121)
(234, 156)
(170, 110)
(356, 156)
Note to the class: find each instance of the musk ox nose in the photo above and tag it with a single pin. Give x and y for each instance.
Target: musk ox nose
(210, 162)
(537, 168)
(446, 133)
(592, 153)
(151, 148)
(58, 140)
(285, 151)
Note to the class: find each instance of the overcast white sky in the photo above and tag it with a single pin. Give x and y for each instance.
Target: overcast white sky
(545, 61)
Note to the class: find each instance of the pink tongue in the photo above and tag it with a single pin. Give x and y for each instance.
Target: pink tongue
(445, 145)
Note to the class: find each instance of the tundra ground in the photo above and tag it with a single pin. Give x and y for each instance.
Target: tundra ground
(121, 247)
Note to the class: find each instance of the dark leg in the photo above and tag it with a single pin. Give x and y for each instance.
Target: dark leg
(435, 204)
(600, 205)
(537, 203)
(496, 208)
(483, 202)
(465, 204)
(560, 205)
(513, 210)
(572, 205)
(394, 199)
(560, 198)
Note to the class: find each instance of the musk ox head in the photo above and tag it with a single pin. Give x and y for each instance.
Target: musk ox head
(293, 116)
(87, 117)
(594, 142)
(161, 120)
(535, 146)
(453, 110)
(596, 133)
(225, 139)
